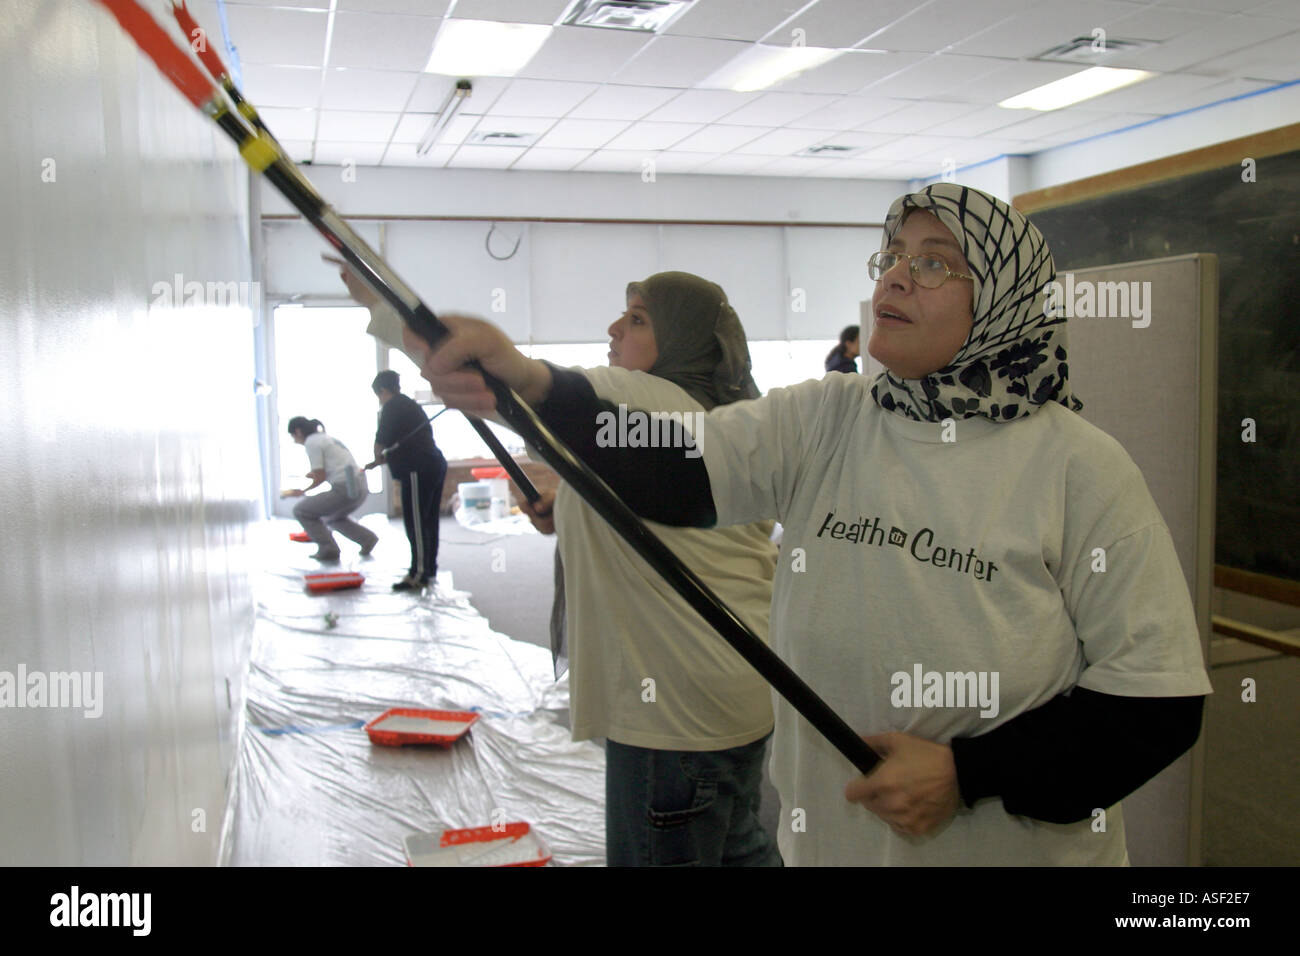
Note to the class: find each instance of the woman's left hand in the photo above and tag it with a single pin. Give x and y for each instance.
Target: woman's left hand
(913, 788)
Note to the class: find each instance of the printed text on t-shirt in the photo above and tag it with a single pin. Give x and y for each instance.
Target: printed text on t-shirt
(922, 547)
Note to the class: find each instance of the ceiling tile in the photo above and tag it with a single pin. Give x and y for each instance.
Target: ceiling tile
(287, 86)
(584, 53)
(848, 113)
(938, 25)
(653, 136)
(541, 98)
(852, 169)
(289, 124)
(858, 140)
(299, 150)
(431, 91)
(278, 37)
(457, 129)
(917, 116)
(1286, 9)
(382, 43)
(350, 126)
(404, 154)
(777, 109)
(782, 142)
(1042, 27)
(1159, 23)
(1206, 43)
(672, 61)
(554, 159)
(1150, 93)
(671, 161)
(794, 166)
(936, 76)
(511, 11)
(721, 139)
(1272, 60)
(1046, 123)
(412, 126)
(701, 106)
(840, 24)
(734, 163)
(581, 134)
(981, 121)
(1223, 90)
(849, 72)
(1095, 127)
(615, 161)
(313, 4)
(1010, 81)
(621, 102)
(369, 90)
(485, 157)
(734, 19)
(533, 125)
(336, 154)
(430, 8)
(1225, 6)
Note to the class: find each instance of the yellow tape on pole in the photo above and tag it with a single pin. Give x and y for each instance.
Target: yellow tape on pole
(259, 152)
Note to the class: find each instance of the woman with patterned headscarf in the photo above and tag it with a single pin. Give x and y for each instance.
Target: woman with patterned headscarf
(984, 585)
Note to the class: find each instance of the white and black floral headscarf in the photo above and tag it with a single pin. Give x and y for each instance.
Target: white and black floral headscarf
(1014, 360)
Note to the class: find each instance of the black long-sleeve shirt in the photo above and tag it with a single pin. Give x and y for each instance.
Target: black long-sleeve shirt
(1057, 763)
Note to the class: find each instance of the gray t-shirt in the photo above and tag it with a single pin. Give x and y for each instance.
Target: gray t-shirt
(920, 564)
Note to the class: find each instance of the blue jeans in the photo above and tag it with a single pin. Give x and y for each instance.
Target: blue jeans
(685, 808)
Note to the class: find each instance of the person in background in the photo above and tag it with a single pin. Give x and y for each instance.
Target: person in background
(405, 440)
(843, 358)
(330, 462)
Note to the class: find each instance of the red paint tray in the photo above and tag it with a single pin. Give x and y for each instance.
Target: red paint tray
(510, 844)
(408, 725)
(336, 581)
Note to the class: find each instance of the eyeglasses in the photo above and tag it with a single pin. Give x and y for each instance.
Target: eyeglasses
(928, 270)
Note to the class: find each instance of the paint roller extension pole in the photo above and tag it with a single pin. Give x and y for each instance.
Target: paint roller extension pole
(265, 156)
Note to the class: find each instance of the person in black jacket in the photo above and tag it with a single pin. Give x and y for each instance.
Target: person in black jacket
(405, 441)
(843, 358)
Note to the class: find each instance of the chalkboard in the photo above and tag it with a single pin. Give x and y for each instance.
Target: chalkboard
(1254, 228)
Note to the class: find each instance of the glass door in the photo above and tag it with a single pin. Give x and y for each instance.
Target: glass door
(324, 364)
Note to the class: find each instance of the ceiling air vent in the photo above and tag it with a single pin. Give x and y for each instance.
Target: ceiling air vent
(501, 138)
(1093, 50)
(649, 16)
(829, 151)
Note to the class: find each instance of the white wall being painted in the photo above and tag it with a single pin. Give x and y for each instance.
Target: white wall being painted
(127, 451)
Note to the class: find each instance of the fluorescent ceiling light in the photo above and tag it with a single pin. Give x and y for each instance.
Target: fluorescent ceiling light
(761, 66)
(650, 16)
(1074, 88)
(484, 47)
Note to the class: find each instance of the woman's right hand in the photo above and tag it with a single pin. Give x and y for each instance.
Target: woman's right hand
(541, 512)
(469, 339)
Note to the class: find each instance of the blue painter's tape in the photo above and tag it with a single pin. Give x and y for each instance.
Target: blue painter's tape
(292, 729)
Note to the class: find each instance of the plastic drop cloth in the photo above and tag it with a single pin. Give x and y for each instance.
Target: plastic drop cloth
(312, 790)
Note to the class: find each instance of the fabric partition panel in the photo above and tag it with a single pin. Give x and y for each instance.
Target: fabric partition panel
(293, 260)
(747, 261)
(828, 278)
(450, 266)
(1147, 377)
(579, 274)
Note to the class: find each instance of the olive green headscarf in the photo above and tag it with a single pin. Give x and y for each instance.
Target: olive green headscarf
(701, 343)
(702, 349)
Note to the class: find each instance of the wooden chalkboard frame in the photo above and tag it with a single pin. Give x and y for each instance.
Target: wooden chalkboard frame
(1284, 139)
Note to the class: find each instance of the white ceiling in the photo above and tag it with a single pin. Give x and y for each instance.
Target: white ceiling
(341, 80)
